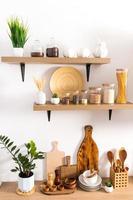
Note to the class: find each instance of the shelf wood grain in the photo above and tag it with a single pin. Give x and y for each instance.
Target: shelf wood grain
(49, 106)
(59, 60)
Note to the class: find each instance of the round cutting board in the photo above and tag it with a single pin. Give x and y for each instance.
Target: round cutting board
(66, 80)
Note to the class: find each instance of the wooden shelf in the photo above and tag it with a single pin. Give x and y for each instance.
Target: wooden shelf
(50, 107)
(60, 60)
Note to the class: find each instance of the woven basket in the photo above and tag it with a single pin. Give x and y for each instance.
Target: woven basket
(119, 180)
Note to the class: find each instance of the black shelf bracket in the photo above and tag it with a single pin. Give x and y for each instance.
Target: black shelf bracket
(49, 114)
(88, 66)
(110, 114)
(22, 65)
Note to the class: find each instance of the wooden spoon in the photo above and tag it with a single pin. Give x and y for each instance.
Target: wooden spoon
(119, 165)
(123, 156)
(110, 156)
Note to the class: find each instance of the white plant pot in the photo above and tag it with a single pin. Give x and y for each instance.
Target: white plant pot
(108, 189)
(26, 184)
(19, 52)
(55, 100)
(40, 98)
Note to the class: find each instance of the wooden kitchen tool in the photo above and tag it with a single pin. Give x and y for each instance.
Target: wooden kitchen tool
(68, 170)
(54, 158)
(123, 156)
(87, 157)
(110, 156)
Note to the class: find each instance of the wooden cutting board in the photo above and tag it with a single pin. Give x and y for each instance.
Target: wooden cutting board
(54, 158)
(68, 170)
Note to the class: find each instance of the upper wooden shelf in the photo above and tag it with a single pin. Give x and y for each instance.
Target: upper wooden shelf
(59, 60)
(50, 107)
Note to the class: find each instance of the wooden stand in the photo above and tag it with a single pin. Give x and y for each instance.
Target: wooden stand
(25, 193)
(119, 180)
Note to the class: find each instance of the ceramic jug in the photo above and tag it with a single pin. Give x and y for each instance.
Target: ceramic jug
(101, 50)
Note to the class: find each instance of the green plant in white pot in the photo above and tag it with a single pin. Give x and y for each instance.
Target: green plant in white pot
(24, 162)
(18, 35)
(55, 99)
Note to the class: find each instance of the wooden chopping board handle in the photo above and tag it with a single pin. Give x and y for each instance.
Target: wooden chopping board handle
(68, 160)
(55, 146)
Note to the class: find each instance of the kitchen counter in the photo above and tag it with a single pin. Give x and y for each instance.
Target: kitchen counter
(7, 192)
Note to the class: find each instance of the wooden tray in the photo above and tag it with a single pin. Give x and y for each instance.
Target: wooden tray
(66, 80)
(65, 191)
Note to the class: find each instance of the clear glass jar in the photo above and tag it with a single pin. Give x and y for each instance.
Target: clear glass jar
(76, 97)
(108, 93)
(95, 95)
(84, 97)
(121, 75)
(37, 49)
(52, 49)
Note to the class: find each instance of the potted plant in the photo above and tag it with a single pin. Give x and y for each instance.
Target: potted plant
(18, 35)
(24, 162)
(108, 186)
(55, 99)
(41, 96)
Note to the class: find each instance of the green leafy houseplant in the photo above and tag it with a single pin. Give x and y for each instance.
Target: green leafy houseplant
(18, 32)
(24, 162)
(108, 184)
(55, 95)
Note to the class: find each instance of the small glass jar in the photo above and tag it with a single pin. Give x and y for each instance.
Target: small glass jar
(76, 97)
(37, 49)
(84, 97)
(108, 93)
(95, 95)
(52, 49)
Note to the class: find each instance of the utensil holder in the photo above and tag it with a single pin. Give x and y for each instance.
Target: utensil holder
(119, 180)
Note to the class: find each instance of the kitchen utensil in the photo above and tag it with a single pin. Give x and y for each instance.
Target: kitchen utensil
(54, 158)
(66, 80)
(123, 156)
(119, 165)
(81, 180)
(68, 170)
(110, 156)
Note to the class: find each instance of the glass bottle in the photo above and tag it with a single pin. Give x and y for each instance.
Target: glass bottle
(95, 95)
(84, 97)
(52, 49)
(121, 75)
(108, 93)
(37, 50)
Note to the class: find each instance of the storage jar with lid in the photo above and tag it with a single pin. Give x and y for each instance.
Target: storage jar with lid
(108, 93)
(52, 49)
(37, 49)
(76, 97)
(95, 95)
(84, 97)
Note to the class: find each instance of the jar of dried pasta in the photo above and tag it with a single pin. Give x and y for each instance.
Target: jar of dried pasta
(95, 95)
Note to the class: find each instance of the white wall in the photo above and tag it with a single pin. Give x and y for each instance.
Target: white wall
(74, 23)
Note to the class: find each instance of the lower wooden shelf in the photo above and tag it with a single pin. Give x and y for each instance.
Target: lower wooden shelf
(8, 191)
(50, 107)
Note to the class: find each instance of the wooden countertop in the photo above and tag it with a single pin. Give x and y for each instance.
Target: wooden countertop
(7, 192)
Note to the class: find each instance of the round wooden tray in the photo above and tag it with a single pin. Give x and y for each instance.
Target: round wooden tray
(66, 80)
(25, 193)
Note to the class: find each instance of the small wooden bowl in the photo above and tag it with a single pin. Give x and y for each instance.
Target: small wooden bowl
(70, 181)
(60, 187)
(70, 186)
(53, 188)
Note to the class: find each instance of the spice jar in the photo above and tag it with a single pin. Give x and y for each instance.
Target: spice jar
(52, 49)
(122, 84)
(76, 97)
(37, 50)
(95, 95)
(108, 93)
(84, 97)
(66, 99)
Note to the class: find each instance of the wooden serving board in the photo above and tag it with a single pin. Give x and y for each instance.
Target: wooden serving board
(65, 191)
(54, 158)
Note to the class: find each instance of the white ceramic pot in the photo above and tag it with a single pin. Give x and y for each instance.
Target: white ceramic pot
(89, 180)
(19, 52)
(26, 184)
(70, 53)
(40, 98)
(55, 100)
(101, 50)
(108, 189)
(85, 52)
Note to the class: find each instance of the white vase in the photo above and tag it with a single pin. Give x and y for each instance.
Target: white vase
(85, 52)
(19, 52)
(40, 98)
(55, 100)
(101, 50)
(26, 184)
(70, 53)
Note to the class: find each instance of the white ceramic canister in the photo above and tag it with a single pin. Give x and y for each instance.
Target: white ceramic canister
(101, 50)
(18, 52)
(40, 98)
(85, 52)
(26, 184)
(108, 93)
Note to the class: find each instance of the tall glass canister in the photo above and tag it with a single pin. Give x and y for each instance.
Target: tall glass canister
(121, 75)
